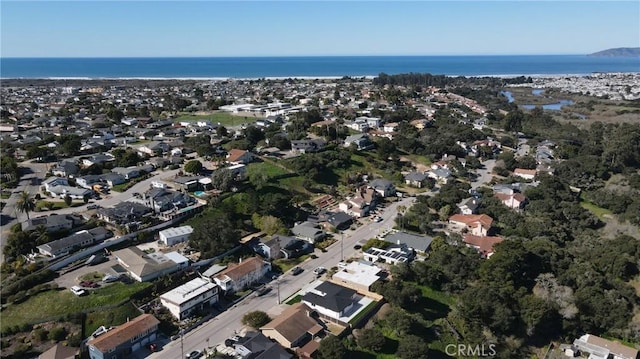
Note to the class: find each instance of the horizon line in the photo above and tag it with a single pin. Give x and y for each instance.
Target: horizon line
(277, 56)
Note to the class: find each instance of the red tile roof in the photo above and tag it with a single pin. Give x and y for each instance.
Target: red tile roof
(483, 243)
(235, 154)
(472, 220)
(124, 332)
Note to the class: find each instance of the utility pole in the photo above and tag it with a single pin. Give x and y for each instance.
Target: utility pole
(181, 342)
(341, 245)
(278, 286)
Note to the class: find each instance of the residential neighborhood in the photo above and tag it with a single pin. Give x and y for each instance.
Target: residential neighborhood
(263, 218)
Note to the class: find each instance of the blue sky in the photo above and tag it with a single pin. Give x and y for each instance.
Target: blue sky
(299, 28)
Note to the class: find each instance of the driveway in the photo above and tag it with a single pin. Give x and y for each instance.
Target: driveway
(484, 174)
(70, 279)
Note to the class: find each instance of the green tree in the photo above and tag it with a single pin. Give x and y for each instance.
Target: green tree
(67, 200)
(57, 334)
(371, 339)
(256, 319)
(25, 203)
(214, 234)
(222, 179)
(412, 347)
(193, 167)
(332, 347)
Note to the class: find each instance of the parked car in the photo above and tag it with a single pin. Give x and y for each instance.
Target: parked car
(88, 284)
(194, 354)
(297, 270)
(262, 291)
(78, 291)
(110, 278)
(319, 270)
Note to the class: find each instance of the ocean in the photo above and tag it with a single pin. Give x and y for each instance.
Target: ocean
(321, 66)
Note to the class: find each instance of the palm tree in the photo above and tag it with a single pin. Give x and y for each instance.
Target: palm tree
(25, 203)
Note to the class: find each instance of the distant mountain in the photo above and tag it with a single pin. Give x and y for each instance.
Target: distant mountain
(618, 52)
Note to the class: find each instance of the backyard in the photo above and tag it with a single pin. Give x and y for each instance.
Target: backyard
(53, 304)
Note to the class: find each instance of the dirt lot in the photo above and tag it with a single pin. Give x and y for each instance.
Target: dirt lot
(72, 278)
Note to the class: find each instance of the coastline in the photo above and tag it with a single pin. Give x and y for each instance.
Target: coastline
(282, 78)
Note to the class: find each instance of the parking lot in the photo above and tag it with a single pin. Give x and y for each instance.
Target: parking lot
(72, 278)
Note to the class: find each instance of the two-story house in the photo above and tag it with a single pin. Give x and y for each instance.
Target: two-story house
(196, 294)
(238, 276)
(125, 339)
(308, 231)
(476, 224)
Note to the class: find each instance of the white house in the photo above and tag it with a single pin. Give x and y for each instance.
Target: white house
(239, 276)
(175, 235)
(195, 294)
(331, 300)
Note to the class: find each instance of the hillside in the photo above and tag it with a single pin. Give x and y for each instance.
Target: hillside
(618, 52)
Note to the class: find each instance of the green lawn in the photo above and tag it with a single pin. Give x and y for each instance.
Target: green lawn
(598, 211)
(294, 300)
(224, 118)
(110, 317)
(60, 302)
(285, 264)
(278, 175)
(363, 312)
(51, 205)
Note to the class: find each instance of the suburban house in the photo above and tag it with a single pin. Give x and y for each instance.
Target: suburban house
(54, 182)
(128, 173)
(65, 169)
(127, 338)
(60, 351)
(237, 156)
(383, 186)
(391, 255)
(339, 220)
(477, 224)
(359, 141)
(390, 127)
(294, 327)
(525, 173)
(112, 179)
(308, 231)
(52, 223)
(197, 293)
(88, 181)
(154, 148)
(238, 276)
(74, 242)
(254, 345)
(307, 145)
(161, 199)
(483, 244)
(268, 248)
(601, 348)
(144, 267)
(123, 213)
(415, 179)
(416, 242)
(357, 275)
(175, 235)
(331, 301)
(291, 247)
(355, 206)
(440, 174)
(515, 201)
(469, 205)
(97, 159)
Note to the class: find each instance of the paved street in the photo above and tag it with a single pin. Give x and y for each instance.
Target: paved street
(223, 326)
(29, 182)
(484, 174)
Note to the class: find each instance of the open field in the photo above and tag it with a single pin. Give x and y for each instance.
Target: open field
(56, 303)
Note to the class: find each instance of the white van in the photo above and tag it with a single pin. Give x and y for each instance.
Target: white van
(77, 291)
